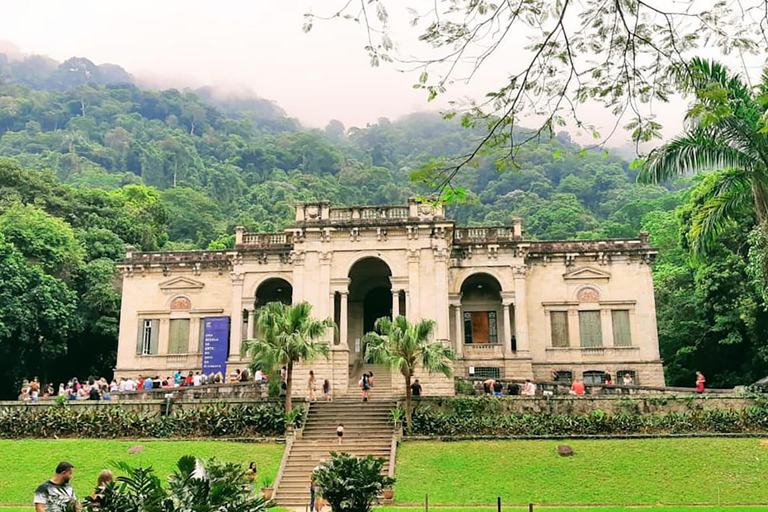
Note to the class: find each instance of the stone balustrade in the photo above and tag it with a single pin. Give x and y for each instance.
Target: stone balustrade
(484, 235)
(267, 240)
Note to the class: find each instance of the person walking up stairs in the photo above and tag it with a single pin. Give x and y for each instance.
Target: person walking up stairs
(367, 430)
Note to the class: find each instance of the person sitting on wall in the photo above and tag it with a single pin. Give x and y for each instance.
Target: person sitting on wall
(497, 387)
(513, 389)
(488, 386)
(530, 388)
(577, 388)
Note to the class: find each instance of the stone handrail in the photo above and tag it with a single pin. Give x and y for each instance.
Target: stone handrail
(268, 240)
(166, 257)
(486, 234)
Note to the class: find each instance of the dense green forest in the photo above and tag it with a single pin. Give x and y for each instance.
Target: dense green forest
(90, 162)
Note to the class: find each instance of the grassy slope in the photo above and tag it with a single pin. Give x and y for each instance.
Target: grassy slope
(649, 508)
(651, 471)
(26, 464)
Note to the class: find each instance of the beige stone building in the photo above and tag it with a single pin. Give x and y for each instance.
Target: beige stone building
(510, 307)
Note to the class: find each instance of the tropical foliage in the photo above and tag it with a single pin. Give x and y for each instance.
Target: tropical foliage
(195, 486)
(350, 483)
(286, 336)
(406, 347)
(96, 163)
(727, 133)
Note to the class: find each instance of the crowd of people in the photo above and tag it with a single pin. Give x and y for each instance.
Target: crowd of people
(95, 388)
(578, 387)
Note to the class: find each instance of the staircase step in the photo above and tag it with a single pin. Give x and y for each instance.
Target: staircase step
(368, 430)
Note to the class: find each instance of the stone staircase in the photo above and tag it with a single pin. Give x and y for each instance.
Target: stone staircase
(382, 382)
(367, 430)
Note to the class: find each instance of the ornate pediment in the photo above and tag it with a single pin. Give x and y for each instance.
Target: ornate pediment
(587, 274)
(181, 283)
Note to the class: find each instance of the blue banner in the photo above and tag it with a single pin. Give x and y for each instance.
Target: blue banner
(215, 344)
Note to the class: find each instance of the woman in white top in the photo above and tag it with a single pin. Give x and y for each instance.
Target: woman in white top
(312, 387)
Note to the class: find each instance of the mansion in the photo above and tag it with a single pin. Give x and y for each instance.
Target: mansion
(511, 308)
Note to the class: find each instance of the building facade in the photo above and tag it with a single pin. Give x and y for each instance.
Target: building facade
(510, 308)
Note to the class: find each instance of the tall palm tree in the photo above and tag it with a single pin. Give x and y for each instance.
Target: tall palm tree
(404, 346)
(286, 335)
(725, 131)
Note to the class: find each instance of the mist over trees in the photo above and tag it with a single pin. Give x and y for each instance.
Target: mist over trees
(90, 165)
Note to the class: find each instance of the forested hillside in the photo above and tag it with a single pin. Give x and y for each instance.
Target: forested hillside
(93, 162)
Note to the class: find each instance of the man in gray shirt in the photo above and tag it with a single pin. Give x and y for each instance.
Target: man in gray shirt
(57, 494)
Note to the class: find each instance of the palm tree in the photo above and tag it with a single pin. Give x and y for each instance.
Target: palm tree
(404, 346)
(286, 335)
(726, 132)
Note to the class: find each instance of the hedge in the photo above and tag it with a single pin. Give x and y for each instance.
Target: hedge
(485, 417)
(113, 422)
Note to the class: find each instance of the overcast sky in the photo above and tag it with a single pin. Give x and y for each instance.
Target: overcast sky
(257, 44)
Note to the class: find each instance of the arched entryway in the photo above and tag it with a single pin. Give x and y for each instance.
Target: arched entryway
(370, 298)
(274, 289)
(481, 310)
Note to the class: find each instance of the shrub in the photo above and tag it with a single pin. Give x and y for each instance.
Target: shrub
(267, 419)
(485, 416)
(210, 486)
(352, 484)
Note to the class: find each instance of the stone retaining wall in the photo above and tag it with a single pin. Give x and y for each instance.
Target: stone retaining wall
(146, 406)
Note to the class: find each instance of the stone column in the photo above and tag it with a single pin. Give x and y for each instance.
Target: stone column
(414, 286)
(194, 333)
(441, 293)
(332, 315)
(395, 304)
(459, 321)
(251, 331)
(506, 347)
(236, 317)
(344, 326)
(521, 310)
(164, 336)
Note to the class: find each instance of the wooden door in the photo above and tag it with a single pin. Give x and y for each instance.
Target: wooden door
(480, 327)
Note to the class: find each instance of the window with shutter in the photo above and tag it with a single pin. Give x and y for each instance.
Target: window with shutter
(622, 336)
(147, 337)
(178, 342)
(467, 327)
(493, 330)
(591, 333)
(154, 337)
(559, 322)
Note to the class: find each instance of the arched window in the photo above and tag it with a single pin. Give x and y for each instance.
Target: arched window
(631, 378)
(594, 377)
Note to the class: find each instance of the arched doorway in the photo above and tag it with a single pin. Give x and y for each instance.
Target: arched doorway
(274, 289)
(481, 310)
(370, 298)
(377, 304)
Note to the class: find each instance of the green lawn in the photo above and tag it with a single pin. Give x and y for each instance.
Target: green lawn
(649, 508)
(617, 472)
(26, 464)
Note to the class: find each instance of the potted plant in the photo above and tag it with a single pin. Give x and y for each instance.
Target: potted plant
(266, 487)
(389, 493)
